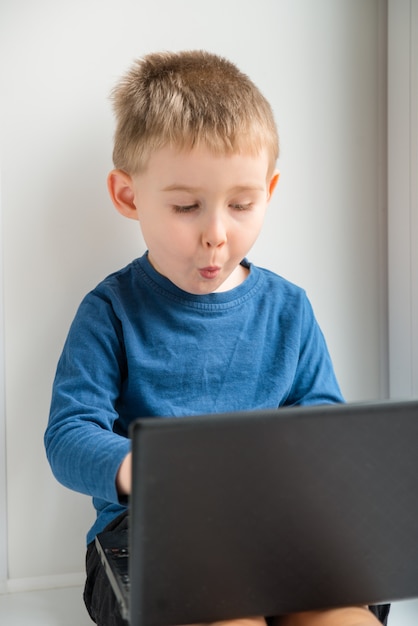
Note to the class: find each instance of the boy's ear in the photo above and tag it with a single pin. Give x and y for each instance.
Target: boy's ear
(120, 186)
(273, 182)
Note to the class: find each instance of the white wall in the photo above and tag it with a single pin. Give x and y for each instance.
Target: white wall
(321, 64)
(3, 479)
(403, 196)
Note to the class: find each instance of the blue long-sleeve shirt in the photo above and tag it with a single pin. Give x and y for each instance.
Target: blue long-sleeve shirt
(139, 346)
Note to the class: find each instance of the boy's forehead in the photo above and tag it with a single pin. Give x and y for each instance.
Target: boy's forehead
(171, 161)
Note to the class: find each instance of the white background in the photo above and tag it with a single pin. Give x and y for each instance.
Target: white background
(321, 64)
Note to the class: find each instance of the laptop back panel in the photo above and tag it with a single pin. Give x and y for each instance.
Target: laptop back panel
(269, 512)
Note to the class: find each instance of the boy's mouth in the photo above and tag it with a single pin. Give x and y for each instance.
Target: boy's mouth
(209, 272)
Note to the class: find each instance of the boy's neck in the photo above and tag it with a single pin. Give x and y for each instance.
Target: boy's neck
(237, 277)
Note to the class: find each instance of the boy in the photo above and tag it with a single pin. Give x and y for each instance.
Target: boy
(190, 327)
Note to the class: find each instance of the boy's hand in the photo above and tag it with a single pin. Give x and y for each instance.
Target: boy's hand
(124, 476)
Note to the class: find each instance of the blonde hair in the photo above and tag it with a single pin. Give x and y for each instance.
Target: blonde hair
(187, 99)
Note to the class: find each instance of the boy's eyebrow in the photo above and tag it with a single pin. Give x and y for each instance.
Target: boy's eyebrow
(190, 189)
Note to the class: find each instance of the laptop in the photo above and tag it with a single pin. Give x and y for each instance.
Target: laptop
(268, 512)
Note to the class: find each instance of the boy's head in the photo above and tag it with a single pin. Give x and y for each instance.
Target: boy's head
(195, 153)
(187, 100)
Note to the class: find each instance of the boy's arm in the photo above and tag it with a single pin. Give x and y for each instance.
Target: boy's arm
(83, 450)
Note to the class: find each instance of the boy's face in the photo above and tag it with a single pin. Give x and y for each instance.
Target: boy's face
(200, 214)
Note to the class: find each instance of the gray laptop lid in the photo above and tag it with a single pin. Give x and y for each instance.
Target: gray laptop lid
(269, 512)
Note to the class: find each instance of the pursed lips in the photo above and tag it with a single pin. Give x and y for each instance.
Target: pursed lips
(211, 271)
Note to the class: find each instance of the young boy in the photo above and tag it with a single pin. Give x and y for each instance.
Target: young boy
(190, 327)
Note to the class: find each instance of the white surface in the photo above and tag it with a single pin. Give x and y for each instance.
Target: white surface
(64, 607)
(404, 613)
(54, 607)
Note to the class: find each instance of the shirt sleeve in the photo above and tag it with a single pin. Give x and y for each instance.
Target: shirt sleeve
(82, 449)
(314, 381)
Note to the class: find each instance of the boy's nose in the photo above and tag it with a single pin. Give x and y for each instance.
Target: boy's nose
(214, 233)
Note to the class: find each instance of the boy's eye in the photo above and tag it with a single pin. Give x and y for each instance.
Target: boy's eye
(189, 208)
(242, 207)
(184, 208)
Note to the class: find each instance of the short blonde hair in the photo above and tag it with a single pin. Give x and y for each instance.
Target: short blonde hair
(187, 99)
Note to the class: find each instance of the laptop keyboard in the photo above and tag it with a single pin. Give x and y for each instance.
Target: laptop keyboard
(120, 560)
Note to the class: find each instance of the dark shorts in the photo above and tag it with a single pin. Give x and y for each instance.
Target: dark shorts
(101, 602)
(98, 594)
